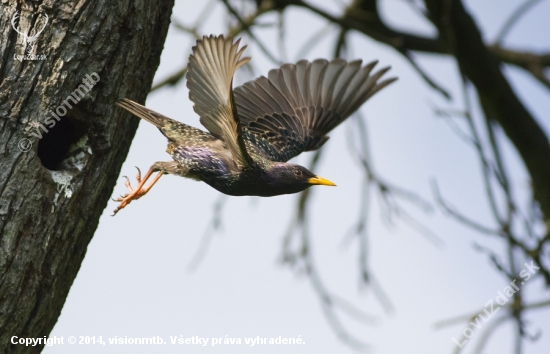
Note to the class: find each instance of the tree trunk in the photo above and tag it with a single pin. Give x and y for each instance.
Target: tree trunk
(461, 36)
(63, 141)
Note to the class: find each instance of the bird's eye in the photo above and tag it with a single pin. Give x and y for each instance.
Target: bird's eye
(297, 172)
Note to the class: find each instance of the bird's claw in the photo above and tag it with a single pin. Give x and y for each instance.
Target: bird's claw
(138, 176)
(140, 190)
(127, 198)
(128, 185)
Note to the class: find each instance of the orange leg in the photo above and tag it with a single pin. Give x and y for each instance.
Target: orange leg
(139, 191)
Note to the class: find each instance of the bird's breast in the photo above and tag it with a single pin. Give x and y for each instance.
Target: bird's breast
(204, 160)
(248, 182)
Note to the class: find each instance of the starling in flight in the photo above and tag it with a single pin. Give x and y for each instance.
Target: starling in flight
(254, 129)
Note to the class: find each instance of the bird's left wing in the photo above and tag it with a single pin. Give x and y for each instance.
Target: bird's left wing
(209, 79)
(293, 109)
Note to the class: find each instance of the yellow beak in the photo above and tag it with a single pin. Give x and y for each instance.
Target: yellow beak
(320, 180)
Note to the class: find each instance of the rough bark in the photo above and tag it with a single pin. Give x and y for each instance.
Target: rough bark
(51, 196)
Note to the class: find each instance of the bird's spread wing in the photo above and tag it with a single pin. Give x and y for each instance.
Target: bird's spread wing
(209, 79)
(292, 109)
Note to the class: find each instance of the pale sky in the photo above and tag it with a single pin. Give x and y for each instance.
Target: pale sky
(135, 280)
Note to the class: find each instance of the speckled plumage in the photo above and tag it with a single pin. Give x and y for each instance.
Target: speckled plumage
(256, 128)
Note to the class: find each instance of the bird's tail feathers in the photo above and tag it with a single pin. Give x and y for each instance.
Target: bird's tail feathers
(142, 112)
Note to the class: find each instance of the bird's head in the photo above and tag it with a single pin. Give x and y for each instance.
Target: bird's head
(290, 178)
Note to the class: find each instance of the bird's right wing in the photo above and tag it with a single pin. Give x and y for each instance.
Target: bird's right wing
(293, 109)
(209, 79)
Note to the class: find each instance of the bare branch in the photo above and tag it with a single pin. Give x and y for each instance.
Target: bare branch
(185, 29)
(313, 41)
(425, 76)
(495, 259)
(460, 217)
(282, 37)
(501, 104)
(246, 27)
(488, 330)
(531, 62)
(514, 18)
(376, 29)
(171, 80)
(448, 114)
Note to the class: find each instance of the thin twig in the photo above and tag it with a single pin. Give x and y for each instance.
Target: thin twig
(481, 153)
(185, 29)
(425, 76)
(487, 331)
(460, 217)
(313, 41)
(246, 26)
(448, 115)
(361, 230)
(282, 37)
(171, 80)
(514, 18)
